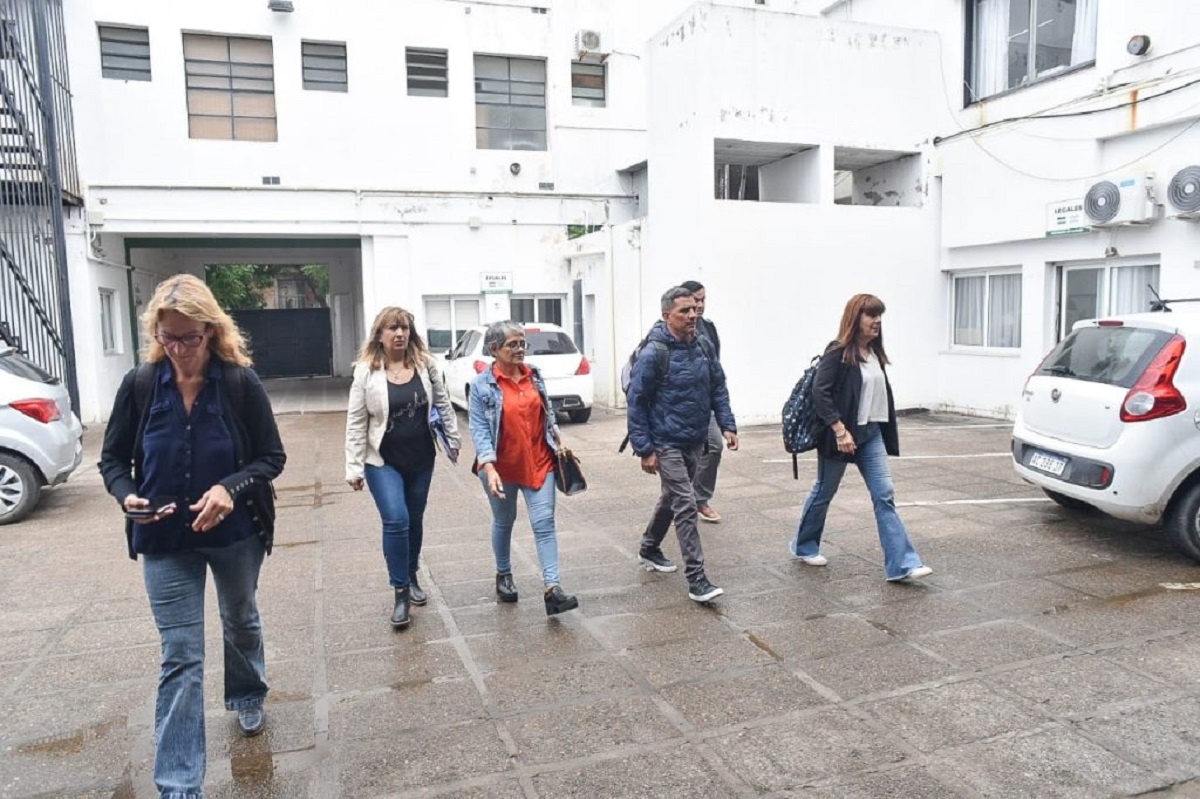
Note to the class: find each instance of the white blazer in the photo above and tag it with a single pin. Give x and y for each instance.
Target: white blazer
(367, 414)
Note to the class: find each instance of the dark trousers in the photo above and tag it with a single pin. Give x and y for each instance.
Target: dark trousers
(677, 471)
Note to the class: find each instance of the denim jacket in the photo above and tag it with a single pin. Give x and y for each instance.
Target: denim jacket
(487, 401)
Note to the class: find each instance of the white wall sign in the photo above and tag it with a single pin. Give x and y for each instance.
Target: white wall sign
(495, 281)
(1066, 216)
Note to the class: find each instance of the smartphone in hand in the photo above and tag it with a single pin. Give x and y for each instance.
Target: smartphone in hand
(151, 510)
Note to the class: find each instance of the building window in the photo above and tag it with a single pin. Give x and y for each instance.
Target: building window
(10, 46)
(536, 310)
(588, 84)
(428, 73)
(987, 310)
(447, 318)
(1091, 291)
(108, 324)
(230, 87)
(510, 103)
(1015, 42)
(124, 53)
(324, 66)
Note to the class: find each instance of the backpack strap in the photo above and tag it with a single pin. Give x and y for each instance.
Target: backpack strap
(143, 391)
(662, 361)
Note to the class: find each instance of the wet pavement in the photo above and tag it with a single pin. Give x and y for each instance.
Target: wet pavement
(1048, 655)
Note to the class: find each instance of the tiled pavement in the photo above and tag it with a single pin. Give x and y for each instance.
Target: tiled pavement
(1045, 656)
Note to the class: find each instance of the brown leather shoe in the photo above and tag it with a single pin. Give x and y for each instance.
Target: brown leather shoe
(708, 513)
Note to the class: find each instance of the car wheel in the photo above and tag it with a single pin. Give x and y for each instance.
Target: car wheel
(20, 488)
(581, 416)
(1070, 503)
(1183, 523)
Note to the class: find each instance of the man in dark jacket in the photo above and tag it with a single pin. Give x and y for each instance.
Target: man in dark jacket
(668, 422)
(710, 461)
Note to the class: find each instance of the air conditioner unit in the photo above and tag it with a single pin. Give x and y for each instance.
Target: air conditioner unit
(1184, 193)
(589, 47)
(1124, 201)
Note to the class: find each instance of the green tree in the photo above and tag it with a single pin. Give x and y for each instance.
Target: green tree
(238, 287)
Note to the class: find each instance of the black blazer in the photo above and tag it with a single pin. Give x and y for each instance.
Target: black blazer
(836, 394)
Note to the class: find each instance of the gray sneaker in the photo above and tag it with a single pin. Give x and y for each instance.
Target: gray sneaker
(701, 590)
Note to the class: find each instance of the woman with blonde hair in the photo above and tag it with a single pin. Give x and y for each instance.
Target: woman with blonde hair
(397, 402)
(189, 453)
(853, 401)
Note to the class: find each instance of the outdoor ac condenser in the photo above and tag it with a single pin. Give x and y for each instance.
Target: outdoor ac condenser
(1184, 194)
(589, 47)
(1123, 201)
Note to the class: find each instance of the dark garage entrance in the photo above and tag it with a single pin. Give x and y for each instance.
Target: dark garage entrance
(289, 342)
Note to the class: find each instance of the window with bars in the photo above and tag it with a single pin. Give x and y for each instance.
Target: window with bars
(510, 103)
(428, 72)
(108, 323)
(324, 66)
(588, 84)
(230, 87)
(124, 53)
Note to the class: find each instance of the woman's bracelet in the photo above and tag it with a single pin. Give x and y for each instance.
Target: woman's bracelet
(842, 435)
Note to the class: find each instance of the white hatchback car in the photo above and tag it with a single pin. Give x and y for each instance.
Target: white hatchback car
(567, 373)
(41, 440)
(1111, 420)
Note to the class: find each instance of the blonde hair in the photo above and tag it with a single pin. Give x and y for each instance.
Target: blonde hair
(189, 296)
(416, 355)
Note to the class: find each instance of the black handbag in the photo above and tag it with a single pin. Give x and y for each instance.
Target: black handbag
(568, 475)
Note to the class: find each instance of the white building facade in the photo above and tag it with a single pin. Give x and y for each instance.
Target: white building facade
(786, 153)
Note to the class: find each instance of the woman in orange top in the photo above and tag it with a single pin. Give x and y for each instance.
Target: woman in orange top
(515, 444)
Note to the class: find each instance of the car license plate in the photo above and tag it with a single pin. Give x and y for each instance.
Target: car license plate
(1044, 462)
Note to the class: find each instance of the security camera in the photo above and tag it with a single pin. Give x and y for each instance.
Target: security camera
(515, 168)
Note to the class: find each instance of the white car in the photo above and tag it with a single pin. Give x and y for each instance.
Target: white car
(1111, 420)
(567, 373)
(41, 439)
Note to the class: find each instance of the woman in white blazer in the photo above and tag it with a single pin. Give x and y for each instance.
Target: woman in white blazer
(398, 414)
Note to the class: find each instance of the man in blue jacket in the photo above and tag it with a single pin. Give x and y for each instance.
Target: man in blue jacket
(674, 389)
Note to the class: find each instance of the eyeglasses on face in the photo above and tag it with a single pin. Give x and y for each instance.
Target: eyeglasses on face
(190, 340)
(516, 344)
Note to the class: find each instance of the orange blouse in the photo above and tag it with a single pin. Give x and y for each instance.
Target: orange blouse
(522, 454)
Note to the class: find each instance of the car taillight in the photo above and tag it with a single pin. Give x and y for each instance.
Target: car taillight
(43, 410)
(480, 367)
(585, 368)
(1154, 395)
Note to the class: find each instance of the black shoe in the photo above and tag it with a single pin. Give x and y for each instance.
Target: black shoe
(251, 721)
(559, 602)
(415, 593)
(400, 617)
(506, 589)
(702, 590)
(654, 560)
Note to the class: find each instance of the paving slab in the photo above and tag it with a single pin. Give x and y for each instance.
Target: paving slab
(1050, 653)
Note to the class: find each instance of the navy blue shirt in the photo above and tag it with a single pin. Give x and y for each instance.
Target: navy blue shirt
(184, 456)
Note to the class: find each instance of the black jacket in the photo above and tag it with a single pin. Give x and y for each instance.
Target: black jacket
(836, 393)
(705, 327)
(257, 447)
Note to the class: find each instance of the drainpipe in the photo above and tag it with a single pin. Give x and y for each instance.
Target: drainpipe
(614, 381)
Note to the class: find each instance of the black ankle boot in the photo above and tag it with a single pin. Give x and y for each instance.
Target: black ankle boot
(400, 617)
(415, 594)
(557, 601)
(506, 589)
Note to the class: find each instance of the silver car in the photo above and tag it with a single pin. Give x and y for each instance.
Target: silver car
(41, 439)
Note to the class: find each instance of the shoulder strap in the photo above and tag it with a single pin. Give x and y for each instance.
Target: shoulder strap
(662, 359)
(235, 387)
(143, 391)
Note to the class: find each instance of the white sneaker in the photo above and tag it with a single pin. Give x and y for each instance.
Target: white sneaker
(812, 560)
(915, 574)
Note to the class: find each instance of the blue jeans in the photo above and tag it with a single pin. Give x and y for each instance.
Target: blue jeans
(899, 555)
(539, 502)
(401, 502)
(175, 584)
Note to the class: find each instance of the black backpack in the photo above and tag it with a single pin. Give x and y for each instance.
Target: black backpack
(662, 356)
(801, 427)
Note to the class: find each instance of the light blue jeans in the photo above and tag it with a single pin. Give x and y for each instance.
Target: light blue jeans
(899, 555)
(539, 502)
(401, 502)
(175, 584)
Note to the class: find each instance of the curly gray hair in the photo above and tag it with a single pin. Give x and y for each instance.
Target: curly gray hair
(497, 332)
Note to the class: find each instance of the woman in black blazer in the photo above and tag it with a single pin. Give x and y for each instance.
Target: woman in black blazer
(854, 402)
